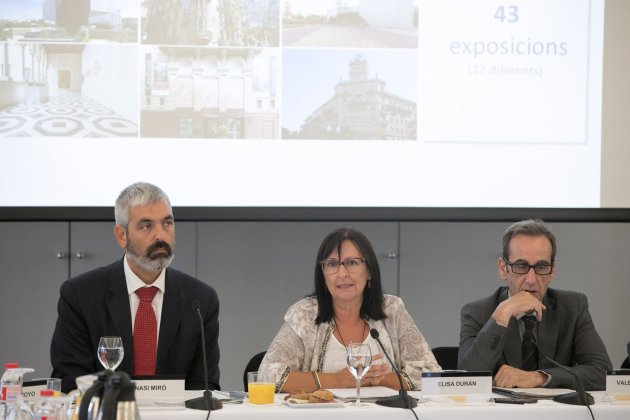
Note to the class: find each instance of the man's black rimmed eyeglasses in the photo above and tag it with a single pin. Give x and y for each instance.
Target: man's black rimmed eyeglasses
(523, 268)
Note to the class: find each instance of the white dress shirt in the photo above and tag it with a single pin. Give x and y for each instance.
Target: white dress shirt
(134, 283)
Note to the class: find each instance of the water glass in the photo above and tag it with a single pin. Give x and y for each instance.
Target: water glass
(54, 384)
(358, 360)
(110, 352)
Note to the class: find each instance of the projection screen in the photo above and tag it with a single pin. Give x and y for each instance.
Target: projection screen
(297, 103)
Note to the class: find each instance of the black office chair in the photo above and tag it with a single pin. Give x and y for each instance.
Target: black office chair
(252, 366)
(625, 364)
(446, 357)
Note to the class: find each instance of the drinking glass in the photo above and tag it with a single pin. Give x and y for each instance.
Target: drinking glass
(358, 359)
(54, 384)
(18, 409)
(110, 352)
(261, 388)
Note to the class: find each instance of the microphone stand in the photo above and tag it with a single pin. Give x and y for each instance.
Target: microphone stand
(207, 402)
(402, 400)
(579, 396)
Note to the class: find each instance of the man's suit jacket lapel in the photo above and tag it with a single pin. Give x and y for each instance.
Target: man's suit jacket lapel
(512, 347)
(172, 312)
(548, 329)
(120, 313)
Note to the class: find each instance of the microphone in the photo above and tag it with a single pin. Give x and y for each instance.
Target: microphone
(207, 402)
(402, 400)
(579, 397)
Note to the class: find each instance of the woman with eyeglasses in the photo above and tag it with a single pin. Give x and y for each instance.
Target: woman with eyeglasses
(309, 351)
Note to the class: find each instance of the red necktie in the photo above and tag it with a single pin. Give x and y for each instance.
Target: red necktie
(145, 334)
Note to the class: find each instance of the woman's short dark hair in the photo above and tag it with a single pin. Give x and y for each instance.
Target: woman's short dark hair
(372, 305)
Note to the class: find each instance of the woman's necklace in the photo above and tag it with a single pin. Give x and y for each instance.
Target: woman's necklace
(341, 337)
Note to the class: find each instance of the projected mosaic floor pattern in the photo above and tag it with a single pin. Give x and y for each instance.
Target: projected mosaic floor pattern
(66, 115)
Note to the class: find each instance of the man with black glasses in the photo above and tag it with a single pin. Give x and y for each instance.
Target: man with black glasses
(511, 331)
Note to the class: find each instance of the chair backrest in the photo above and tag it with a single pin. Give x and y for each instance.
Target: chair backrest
(446, 357)
(252, 366)
(625, 364)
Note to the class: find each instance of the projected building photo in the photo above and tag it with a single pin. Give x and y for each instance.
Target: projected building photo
(66, 90)
(360, 106)
(211, 22)
(350, 23)
(209, 92)
(69, 20)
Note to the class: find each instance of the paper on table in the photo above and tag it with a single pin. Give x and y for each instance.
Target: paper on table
(178, 404)
(220, 395)
(369, 392)
(164, 404)
(540, 393)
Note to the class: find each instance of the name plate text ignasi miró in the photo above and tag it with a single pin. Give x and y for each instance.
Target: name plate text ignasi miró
(157, 389)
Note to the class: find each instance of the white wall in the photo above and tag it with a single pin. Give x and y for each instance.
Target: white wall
(110, 76)
(615, 178)
(11, 93)
(398, 14)
(64, 61)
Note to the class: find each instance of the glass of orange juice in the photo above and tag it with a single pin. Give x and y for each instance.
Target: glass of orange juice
(261, 388)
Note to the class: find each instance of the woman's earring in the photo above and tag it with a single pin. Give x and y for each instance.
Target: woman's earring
(369, 283)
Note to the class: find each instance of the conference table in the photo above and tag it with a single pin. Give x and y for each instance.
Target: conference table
(542, 410)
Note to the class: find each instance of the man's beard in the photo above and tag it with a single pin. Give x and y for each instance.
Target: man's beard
(151, 261)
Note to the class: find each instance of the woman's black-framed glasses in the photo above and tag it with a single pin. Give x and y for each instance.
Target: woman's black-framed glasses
(352, 265)
(523, 268)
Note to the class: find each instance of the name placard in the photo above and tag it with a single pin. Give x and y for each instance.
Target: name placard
(618, 382)
(158, 389)
(30, 389)
(456, 383)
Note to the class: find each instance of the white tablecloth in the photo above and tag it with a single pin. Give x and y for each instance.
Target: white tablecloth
(543, 410)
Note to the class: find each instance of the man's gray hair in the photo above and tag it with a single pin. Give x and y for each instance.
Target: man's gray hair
(138, 194)
(529, 227)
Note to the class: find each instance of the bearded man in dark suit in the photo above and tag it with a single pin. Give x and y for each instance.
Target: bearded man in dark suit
(107, 301)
